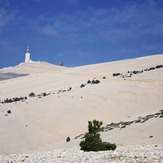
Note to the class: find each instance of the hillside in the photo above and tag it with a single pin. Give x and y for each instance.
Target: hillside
(64, 100)
(24, 69)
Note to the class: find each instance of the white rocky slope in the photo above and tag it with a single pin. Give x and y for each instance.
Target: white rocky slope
(61, 107)
(130, 154)
(33, 68)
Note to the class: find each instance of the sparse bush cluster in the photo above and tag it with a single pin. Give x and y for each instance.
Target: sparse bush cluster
(93, 141)
(159, 66)
(122, 125)
(42, 94)
(7, 100)
(94, 81)
(130, 73)
(16, 99)
(64, 90)
(32, 94)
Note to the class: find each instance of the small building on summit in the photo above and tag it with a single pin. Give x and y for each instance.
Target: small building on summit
(61, 63)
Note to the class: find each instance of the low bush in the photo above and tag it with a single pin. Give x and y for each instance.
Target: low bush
(9, 111)
(31, 94)
(135, 72)
(159, 66)
(8, 100)
(68, 139)
(95, 81)
(82, 85)
(69, 89)
(88, 82)
(116, 74)
(151, 68)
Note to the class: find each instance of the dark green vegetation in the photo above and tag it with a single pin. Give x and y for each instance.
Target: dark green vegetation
(32, 94)
(93, 141)
(131, 73)
(82, 85)
(68, 139)
(122, 125)
(90, 82)
(16, 99)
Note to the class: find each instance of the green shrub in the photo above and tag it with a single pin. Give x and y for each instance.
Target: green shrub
(93, 141)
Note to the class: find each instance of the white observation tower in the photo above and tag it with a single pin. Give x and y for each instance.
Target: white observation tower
(27, 56)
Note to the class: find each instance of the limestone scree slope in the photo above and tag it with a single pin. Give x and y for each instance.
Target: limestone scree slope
(40, 110)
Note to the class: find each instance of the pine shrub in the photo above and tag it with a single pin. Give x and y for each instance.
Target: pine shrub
(93, 141)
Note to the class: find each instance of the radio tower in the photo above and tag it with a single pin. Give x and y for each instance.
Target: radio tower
(27, 56)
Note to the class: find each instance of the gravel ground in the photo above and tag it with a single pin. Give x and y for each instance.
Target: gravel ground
(131, 154)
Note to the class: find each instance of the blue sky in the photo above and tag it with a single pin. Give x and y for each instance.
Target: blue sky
(79, 32)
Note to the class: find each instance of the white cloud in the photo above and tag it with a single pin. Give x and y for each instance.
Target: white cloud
(131, 21)
(5, 17)
(48, 30)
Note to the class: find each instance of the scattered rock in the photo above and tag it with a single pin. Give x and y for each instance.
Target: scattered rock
(130, 154)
